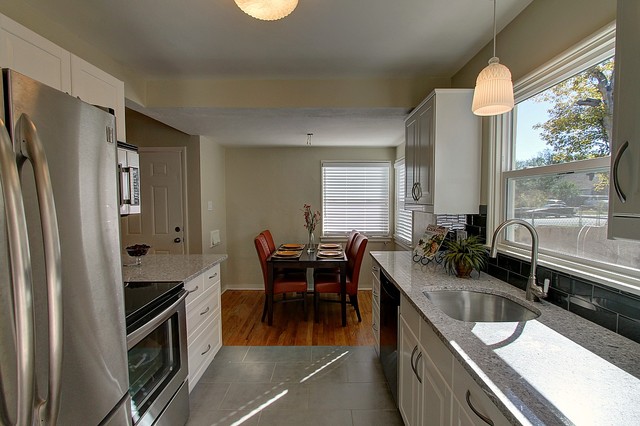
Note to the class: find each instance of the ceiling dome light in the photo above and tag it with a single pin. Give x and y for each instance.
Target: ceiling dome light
(493, 94)
(267, 10)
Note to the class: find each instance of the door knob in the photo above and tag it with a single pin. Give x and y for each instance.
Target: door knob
(177, 240)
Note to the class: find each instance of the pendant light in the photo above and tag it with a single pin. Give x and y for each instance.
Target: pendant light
(267, 10)
(493, 94)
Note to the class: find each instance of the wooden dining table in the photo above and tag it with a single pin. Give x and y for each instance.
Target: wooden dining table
(304, 261)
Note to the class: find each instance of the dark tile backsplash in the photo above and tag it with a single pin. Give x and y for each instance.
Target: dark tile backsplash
(616, 310)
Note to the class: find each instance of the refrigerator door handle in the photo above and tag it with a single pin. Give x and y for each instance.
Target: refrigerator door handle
(20, 259)
(33, 149)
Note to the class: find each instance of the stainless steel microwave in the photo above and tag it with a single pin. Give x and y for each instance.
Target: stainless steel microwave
(129, 177)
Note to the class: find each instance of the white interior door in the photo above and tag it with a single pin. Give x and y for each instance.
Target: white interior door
(161, 223)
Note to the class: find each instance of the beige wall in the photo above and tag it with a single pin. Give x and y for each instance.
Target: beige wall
(545, 29)
(266, 189)
(213, 189)
(143, 131)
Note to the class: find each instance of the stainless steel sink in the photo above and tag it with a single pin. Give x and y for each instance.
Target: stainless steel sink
(475, 306)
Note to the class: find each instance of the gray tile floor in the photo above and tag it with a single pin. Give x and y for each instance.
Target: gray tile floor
(293, 385)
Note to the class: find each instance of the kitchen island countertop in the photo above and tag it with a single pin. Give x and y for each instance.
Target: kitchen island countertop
(556, 369)
(170, 267)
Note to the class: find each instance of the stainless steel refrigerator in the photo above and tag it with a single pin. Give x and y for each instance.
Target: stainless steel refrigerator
(63, 357)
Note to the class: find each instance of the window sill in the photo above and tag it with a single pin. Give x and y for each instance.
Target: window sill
(341, 239)
(402, 244)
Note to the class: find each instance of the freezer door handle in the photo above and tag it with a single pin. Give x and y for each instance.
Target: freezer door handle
(33, 150)
(18, 245)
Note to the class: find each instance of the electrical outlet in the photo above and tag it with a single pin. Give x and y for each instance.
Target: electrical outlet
(214, 238)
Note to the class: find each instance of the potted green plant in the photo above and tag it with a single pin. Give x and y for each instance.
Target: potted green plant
(463, 256)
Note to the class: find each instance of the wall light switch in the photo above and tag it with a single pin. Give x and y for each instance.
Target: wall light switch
(210, 206)
(215, 238)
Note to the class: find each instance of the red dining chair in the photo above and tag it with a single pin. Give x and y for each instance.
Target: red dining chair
(350, 239)
(272, 247)
(330, 282)
(282, 283)
(347, 247)
(269, 238)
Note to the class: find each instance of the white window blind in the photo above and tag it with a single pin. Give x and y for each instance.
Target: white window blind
(403, 219)
(355, 196)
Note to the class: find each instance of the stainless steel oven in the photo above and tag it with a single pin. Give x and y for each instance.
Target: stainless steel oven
(157, 353)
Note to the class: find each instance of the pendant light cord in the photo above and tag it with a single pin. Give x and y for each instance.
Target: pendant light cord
(494, 28)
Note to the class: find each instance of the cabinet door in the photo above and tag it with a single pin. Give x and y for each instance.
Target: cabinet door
(625, 150)
(34, 56)
(96, 87)
(419, 157)
(471, 404)
(436, 395)
(425, 153)
(411, 138)
(409, 392)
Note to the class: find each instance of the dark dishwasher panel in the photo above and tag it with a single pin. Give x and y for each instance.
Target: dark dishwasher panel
(389, 308)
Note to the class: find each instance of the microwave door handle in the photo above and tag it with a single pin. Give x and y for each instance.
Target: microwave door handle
(18, 246)
(120, 183)
(33, 149)
(126, 186)
(134, 186)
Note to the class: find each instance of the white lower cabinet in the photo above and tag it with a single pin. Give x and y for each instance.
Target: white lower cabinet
(409, 380)
(432, 385)
(204, 325)
(471, 405)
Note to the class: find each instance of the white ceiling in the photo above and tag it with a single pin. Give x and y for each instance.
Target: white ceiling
(320, 39)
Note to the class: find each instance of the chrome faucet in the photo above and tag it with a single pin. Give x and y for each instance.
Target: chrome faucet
(534, 291)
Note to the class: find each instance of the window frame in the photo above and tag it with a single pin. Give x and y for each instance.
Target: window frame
(591, 51)
(399, 185)
(389, 202)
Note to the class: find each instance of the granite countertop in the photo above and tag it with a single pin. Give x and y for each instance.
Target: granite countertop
(556, 369)
(171, 267)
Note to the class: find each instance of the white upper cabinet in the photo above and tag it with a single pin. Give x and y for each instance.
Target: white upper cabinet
(443, 153)
(624, 197)
(34, 56)
(96, 87)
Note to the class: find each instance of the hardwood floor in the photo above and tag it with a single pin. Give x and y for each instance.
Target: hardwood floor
(241, 325)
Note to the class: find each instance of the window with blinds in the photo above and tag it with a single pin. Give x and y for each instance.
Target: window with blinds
(403, 218)
(355, 196)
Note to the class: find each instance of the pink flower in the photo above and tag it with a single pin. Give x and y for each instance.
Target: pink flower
(310, 219)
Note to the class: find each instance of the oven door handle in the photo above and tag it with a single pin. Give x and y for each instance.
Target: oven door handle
(135, 336)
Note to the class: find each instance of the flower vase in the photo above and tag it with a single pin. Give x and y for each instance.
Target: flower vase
(312, 242)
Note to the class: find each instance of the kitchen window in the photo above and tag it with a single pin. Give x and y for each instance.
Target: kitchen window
(403, 218)
(554, 168)
(355, 195)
